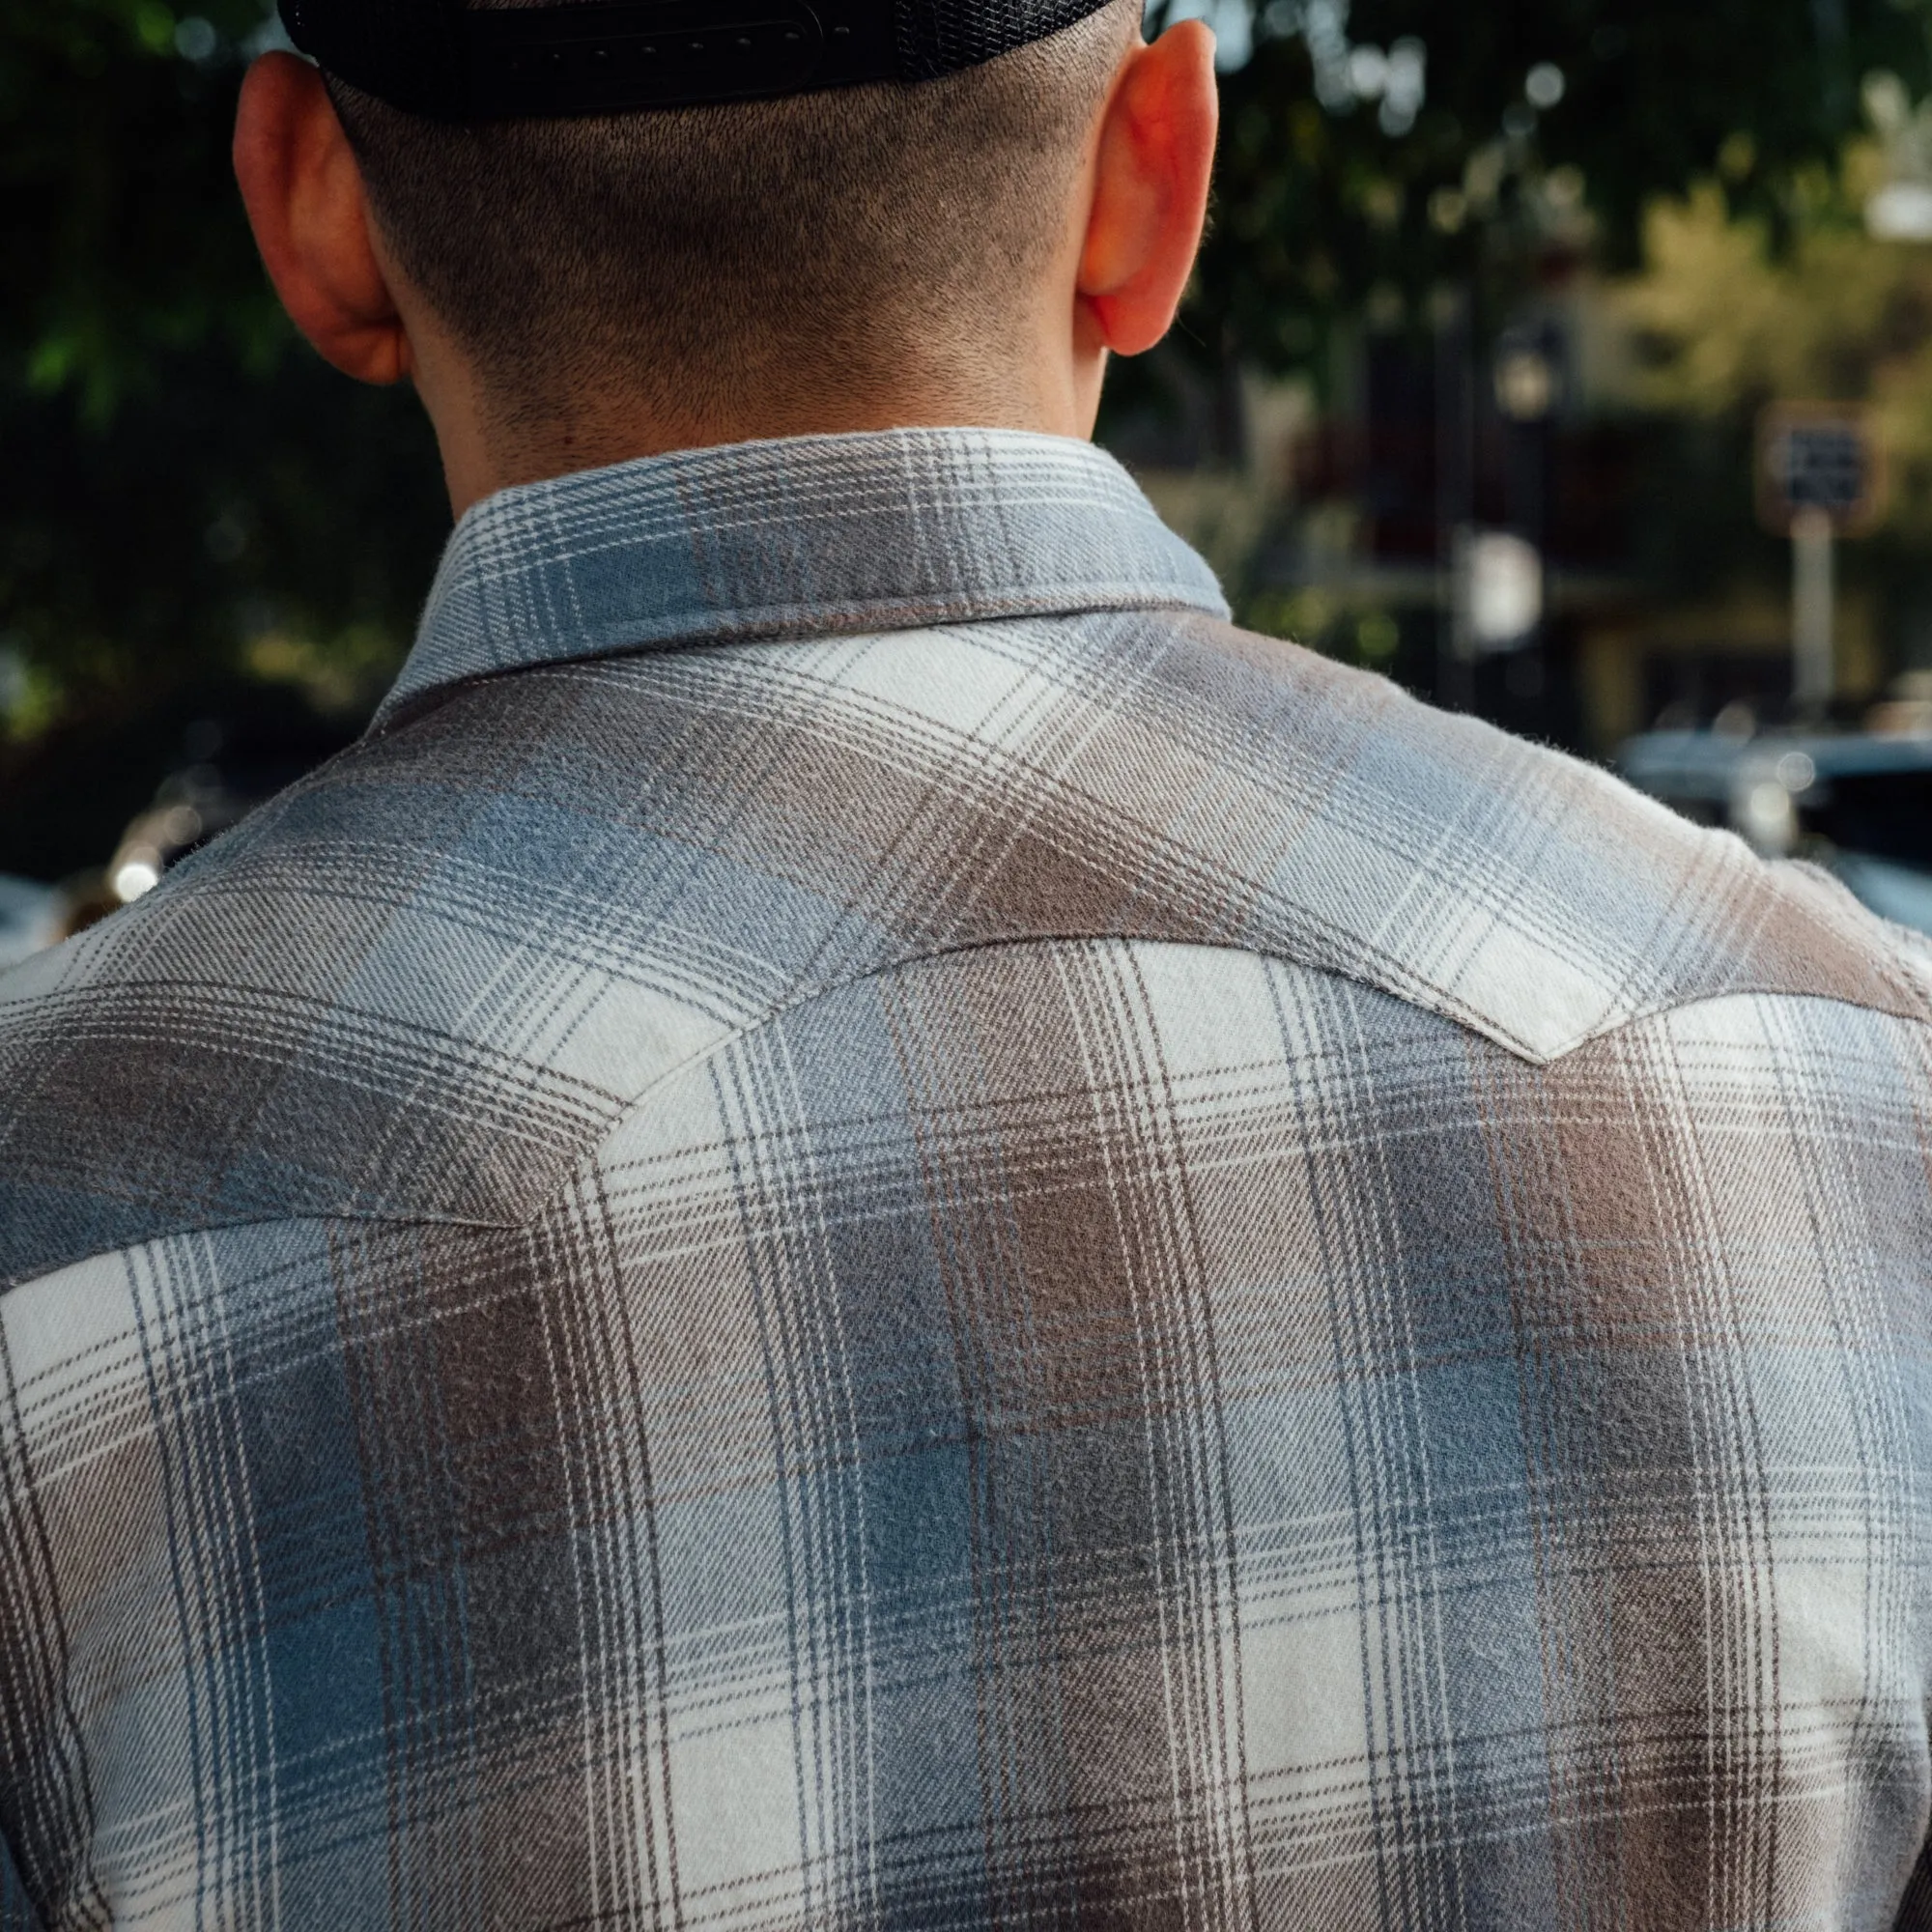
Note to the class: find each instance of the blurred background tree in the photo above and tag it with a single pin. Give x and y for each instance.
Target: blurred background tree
(1391, 145)
(197, 518)
(198, 521)
(1402, 186)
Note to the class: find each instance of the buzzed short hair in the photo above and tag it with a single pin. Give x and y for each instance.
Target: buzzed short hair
(674, 253)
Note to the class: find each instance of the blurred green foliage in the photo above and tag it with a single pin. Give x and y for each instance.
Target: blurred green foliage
(1323, 209)
(192, 507)
(190, 502)
(113, 156)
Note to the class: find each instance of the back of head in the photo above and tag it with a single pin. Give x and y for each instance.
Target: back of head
(829, 242)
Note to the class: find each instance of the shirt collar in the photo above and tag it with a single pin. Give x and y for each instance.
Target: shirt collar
(885, 531)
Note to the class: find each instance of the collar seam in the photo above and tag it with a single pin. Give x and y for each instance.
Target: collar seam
(775, 624)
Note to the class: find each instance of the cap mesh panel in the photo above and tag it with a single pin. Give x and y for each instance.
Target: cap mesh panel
(410, 51)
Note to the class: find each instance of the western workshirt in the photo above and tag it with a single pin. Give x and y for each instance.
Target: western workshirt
(868, 1226)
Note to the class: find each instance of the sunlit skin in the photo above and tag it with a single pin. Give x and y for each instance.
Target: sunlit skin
(1132, 228)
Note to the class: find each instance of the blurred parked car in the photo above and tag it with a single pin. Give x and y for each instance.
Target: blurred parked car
(229, 769)
(226, 769)
(1860, 806)
(31, 917)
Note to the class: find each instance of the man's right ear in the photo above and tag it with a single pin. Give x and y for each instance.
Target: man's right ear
(1150, 178)
(307, 206)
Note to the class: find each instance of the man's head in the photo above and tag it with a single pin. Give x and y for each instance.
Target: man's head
(569, 291)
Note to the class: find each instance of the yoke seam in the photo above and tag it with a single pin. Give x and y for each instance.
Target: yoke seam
(589, 1149)
(738, 1036)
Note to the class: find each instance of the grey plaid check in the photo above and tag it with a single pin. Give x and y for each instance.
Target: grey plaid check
(869, 1226)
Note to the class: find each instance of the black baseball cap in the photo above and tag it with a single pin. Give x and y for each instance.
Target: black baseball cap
(458, 63)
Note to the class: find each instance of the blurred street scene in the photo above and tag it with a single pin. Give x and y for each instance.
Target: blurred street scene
(1569, 365)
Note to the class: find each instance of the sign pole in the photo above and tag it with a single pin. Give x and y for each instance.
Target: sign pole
(1813, 611)
(1821, 477)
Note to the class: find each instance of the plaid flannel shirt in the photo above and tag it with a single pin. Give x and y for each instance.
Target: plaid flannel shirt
(870, 1226)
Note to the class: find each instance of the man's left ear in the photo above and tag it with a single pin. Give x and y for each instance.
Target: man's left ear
(1153, 168)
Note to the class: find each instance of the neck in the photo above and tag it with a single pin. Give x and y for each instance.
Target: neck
(488, 447)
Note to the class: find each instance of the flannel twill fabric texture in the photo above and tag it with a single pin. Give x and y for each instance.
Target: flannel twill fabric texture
(870, 1226)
